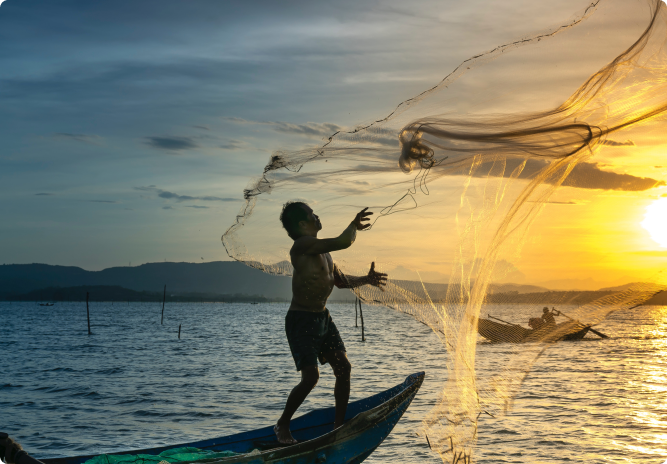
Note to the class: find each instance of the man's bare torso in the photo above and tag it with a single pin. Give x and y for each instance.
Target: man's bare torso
(312, 282)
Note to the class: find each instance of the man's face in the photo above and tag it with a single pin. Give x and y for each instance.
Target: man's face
(312, 221)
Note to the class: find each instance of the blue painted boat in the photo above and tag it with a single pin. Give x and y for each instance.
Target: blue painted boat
(368, 422)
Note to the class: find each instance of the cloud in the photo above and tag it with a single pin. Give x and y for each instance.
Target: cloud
(584, 175)
(85, 138)
(197, 206)
(590, 176)
(612, 143)
(202, 127)
(171, 143)
(232, 145)
(44, 194)
(309, 129)
(383, 137)
(167, 207)
(180, 198)
(102, 201)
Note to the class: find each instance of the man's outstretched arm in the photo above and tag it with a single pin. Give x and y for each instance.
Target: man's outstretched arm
(317, 246)
(376, 279)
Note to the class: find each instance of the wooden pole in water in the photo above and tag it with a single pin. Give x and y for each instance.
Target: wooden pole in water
(361, 314)
(179, 331)
(356, 312)
(164, 298)
(88, 313)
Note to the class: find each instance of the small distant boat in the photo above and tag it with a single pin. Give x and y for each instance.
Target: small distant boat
(46, 304)
(368, 422)
(505, 332)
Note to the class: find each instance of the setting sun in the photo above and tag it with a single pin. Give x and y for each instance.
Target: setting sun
(655, 221)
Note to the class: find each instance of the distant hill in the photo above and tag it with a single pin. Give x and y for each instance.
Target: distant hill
(520, 288)
(438, 292)
(557, 297)
(572, 284)
(215, 278)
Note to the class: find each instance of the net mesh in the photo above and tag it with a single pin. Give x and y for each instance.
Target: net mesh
(457, 178)
(171, 456)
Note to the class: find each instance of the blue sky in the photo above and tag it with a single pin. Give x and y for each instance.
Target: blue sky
(130, 128)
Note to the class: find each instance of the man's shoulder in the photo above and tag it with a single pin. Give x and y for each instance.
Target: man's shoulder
(298, 246)
(303, 240)
(301, 246)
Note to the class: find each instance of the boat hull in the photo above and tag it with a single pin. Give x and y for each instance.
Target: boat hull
(504, 333)
(368, 423)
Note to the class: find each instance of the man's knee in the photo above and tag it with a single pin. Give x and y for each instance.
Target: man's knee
(309, 376)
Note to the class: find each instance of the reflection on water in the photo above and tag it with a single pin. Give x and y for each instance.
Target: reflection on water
(134, 384)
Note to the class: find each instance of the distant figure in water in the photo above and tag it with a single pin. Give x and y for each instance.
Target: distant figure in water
(311, 332)
(548, 317)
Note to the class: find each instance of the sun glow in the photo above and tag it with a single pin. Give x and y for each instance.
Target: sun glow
(655, 221)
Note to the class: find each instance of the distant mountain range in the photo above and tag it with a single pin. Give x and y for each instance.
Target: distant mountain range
(229, 279)
(215, 278)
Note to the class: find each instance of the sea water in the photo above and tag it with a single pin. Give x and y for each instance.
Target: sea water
(134, 384)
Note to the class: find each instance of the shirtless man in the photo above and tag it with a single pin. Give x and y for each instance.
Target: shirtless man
(311, 332)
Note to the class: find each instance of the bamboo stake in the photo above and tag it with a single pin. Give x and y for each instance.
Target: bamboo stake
(179, 331)
(88, 313)
(164, 298)
(356, 312)
(361, 313)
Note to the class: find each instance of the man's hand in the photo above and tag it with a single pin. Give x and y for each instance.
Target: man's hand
(360, 218)
(376, 279)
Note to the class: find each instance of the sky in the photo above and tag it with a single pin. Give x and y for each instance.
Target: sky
(129, 129)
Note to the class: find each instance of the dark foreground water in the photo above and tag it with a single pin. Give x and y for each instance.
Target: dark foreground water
(133, 384)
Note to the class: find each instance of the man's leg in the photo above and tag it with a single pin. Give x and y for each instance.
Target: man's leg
(342, 370)
(309, 377)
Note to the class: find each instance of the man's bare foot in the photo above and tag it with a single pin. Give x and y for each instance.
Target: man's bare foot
(337, 425)
(284, 435)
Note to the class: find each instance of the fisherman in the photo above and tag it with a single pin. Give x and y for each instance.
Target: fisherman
(548, 317)
(311, 333)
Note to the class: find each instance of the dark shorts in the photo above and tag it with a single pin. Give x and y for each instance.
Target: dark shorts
(311, 336)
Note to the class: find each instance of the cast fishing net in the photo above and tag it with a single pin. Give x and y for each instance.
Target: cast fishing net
(464, 180)
(171, 456)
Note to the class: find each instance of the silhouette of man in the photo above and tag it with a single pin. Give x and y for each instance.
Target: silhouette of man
(310, 331)
(548, 317)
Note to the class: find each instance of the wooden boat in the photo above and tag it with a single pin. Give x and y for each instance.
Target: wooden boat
(368, 422)
(498, 332)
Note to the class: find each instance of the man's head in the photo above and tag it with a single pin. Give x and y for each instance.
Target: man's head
(545, 310)
(298, 220)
